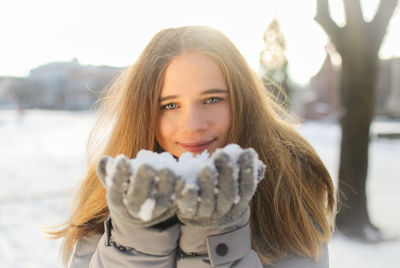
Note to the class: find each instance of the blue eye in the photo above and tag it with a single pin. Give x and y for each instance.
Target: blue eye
(213, 100)
(170, 106)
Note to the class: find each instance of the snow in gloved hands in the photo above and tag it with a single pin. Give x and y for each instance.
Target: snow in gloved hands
(186, 167)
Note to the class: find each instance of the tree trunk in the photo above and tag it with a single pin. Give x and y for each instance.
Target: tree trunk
(358, 43)
(357, 98)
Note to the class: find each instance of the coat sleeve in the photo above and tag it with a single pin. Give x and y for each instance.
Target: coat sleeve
(222, 247)
(128, 246)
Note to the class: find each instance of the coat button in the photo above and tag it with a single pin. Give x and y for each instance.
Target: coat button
(221, 249)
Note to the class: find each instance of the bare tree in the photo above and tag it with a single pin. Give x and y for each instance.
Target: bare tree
(358, 42)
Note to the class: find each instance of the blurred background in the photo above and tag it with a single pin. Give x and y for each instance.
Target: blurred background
(337, 61)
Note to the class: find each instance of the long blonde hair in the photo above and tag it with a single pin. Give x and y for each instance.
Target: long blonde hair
(292, 209)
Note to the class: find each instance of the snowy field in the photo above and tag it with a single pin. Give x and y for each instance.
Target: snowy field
(42, 157)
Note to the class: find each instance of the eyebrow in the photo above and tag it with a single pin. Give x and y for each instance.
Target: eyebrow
(206, 92)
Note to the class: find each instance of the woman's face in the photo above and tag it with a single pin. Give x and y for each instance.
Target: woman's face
(194, 106)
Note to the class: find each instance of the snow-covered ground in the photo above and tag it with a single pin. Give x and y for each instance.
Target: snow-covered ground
(42, 157)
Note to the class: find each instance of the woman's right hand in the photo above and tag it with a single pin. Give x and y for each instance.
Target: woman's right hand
(143, 197)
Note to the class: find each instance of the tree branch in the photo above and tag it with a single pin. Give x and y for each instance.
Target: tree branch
(353, 12)
(324, 19)
(377, 27)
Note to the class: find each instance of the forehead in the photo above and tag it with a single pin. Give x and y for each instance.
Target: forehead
(192, 71)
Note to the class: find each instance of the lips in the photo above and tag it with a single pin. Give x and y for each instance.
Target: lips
(197, 146)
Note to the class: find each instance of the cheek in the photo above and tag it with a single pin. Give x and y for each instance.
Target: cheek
(222, 119)
(227, 124)
(165, 129)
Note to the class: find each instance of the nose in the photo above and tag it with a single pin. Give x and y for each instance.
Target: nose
(194, 120)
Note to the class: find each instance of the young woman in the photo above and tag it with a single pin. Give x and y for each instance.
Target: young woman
(191, 90)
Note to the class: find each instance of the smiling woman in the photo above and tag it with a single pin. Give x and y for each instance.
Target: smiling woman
(191, 90)
(195, 111)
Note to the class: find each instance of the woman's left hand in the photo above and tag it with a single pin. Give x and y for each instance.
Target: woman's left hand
(224, 193)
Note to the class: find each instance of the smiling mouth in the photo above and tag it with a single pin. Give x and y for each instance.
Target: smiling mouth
(196, 146)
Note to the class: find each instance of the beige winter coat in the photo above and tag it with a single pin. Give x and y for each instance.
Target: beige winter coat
(177, 246)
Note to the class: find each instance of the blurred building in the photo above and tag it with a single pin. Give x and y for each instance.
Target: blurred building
(388, 97)
(57, 85)
(322, 97)
(8, 98)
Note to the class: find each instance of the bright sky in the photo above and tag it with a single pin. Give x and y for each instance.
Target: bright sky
(114, 32)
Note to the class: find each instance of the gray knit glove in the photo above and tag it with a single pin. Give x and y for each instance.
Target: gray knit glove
(223, 192)
(143, 197)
